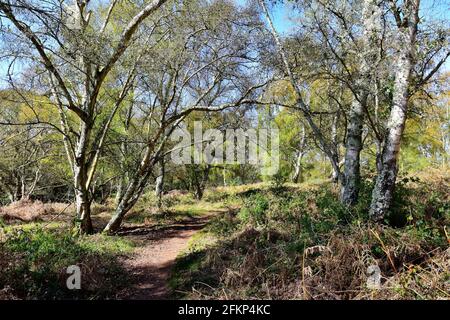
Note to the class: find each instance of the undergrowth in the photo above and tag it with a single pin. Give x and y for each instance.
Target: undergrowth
(34, 262)
(286, 243)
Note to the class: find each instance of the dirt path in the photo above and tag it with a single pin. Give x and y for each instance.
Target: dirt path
(155, 256)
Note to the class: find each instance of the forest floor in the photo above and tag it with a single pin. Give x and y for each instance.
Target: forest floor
(258, 241)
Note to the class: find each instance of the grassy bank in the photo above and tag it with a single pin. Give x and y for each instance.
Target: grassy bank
(301, 243)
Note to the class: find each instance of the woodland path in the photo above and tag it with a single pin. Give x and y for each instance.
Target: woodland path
(157, 248)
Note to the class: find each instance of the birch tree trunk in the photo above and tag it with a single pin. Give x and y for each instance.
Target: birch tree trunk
(379, 153)
(119, 190)
(298, 168)
(298, 172)
(352, 176)
(129, 199)
(80, 171)
(160, 183)
(23, 192)
(123, 179)
(334, 138)
(383, 191)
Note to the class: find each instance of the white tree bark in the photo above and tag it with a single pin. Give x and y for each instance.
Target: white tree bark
(80, 170)
(159, 183)
(334, 137)
(298, 167)
(383, 191)
(351, 176)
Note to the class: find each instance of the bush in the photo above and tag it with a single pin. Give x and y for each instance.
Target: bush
(277, 182)
(34, 264)
(254, 211)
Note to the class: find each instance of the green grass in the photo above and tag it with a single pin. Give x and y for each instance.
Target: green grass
(53, 225)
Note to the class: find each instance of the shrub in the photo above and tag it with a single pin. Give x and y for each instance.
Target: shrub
(277, 181)
(254, 211)
(34, 264)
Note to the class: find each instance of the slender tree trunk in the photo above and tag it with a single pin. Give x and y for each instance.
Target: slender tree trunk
(26, 194)
(129, 199)
(159, 187)
(298, 171)
(123, 165)
(379, 154)
(23, 191)
(334, 138)
(383, 191)
(82, 197)
(352, 176)
(119, 190)
(123, 168)
(64, 123)
(298, 168)
(224, 177)
(17, 192)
